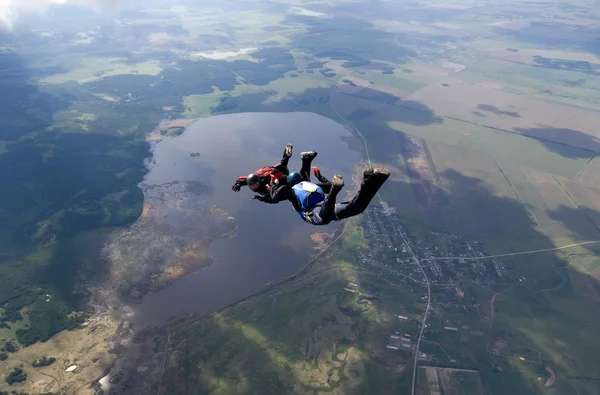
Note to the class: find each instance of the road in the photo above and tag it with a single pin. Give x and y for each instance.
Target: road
(409, 248)
(347, 122)
(511, 253)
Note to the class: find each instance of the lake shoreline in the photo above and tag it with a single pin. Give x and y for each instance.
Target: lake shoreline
(189, 150)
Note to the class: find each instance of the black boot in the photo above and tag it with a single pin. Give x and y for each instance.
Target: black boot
(373, 179)
(308, 155)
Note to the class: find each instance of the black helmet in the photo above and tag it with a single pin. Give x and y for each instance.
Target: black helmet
(252, 179)
(294, 178)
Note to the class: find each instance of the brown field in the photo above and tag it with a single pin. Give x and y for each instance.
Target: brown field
(155, 137)
(560, 32)
(567, 30)
(359, 81)
(443, 381)
(471, 164)
(176, 123)
(428, 70)
(87, 347)
(476, 191)
(497, 50)
(414, 27)
(421, 172)
(347, 88)
(433, 381)
(558, 212)
(451, 172)
(399, 93)
(533, 117)
(490, 85)
(588, 200)
(320, 238)
(590, 174)
(436, 133)
(542, 197)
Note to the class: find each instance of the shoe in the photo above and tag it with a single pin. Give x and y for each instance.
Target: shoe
(316, 171)
(287, 152)
(382, 172)
(379, 173)
(337, 182)
(308, 155)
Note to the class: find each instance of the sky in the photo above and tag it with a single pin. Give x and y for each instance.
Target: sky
(10, 10)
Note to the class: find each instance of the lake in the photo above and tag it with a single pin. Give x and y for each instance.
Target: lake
(271, 241)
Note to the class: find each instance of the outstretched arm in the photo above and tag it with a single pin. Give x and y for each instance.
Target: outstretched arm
(323, 182)
(265, 199)
(239, 183)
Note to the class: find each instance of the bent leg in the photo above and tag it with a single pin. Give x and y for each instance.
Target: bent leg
(283, 164)
(323, 182)
(327, 211)
(307, 158)
(281, 192)
(372, 181)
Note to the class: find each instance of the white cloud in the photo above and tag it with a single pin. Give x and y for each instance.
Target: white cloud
(10, 10)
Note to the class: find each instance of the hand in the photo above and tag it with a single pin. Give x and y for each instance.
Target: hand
(236, 187)
(276, 177)
(259, 197)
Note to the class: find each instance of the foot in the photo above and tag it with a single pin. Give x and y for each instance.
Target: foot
(379, 173)
(308, 155)
(337, 182)
(287, 152)
(316, 171)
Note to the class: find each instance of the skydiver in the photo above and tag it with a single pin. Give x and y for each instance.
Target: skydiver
(278, 193)
(317, 206)
(260, 180)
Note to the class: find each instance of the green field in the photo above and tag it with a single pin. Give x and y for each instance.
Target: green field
(307, 334)
(79, 97)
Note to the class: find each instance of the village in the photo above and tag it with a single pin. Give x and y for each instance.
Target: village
(441, 261)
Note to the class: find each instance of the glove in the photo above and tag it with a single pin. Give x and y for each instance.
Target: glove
(259, 197)
(276, 177)
(236, 187)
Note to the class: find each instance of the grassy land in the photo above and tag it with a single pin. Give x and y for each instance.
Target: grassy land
(77, 137)
(94, 69)
(87, 348)
(308, 334)
(69, 147)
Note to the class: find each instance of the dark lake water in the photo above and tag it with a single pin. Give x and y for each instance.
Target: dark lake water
(272, 241)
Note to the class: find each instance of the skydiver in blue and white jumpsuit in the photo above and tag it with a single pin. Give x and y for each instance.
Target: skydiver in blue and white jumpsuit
(316, 203)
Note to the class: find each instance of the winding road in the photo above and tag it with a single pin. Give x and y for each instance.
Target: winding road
(410, 250)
